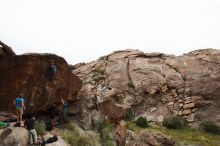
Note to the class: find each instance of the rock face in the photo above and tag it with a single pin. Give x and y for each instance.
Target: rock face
(121, 131)
(155, 84)
(114, 111)
(28, 74)
(5, 50)
(18, 136)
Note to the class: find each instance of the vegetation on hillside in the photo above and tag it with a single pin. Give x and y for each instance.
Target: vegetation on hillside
(129, 114)
(174, 122)
(77, 137)
(105, 130)
(210, 127)
(40, 127)
(141, 122)
(183, 137)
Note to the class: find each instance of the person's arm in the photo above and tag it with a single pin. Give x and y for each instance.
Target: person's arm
(62, 100)
(15, 102)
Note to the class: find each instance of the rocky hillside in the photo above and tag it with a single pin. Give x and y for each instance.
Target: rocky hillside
(153, 85)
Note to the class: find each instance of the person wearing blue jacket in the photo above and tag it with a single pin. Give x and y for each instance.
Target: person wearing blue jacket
(65, 108)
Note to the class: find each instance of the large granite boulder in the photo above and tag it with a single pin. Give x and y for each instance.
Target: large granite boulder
(115, 112)
(28, 74)
(155, 84)
(17, 136)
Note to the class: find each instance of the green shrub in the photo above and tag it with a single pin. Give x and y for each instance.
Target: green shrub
(129, 114)
(71, 138)
(85, 141)
(142, 122)
(105, 130)
(210, 127)
(75, 136)
(98, 77)
(72, 134)
(40, 127)
(71, 127)
(71, 67)
(174, 122)
(102, 72)
(99, 71)
(130, 84)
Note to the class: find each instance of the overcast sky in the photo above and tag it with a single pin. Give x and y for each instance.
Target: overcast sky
(84, 30)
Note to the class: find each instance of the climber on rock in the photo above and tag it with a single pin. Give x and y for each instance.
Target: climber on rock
(95, 100)
(19, 103)
(65, 108)
(52, 71)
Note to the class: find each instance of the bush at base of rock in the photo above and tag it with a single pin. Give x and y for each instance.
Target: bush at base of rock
(142, 122)
(40, 127)
(174, 122)
(75, 136)
(210, 127)
(105, 130)
(129, 115)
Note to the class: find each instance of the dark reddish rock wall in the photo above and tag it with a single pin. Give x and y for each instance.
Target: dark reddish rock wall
(27, 74)
(5, 50)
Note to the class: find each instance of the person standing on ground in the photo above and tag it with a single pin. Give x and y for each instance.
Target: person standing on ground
(29, 124)
(19, 103)
(65, 108)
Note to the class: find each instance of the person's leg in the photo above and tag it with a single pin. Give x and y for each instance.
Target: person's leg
(18, 114)
(65, 112)
(34, 135)
(20, 119)
(50, 76)
(53, 76)
(96, 106)
(52, 123)
(22, 111)
(30, 137)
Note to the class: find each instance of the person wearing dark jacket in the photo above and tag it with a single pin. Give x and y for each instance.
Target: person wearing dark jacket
(30, 126)
(52, 114)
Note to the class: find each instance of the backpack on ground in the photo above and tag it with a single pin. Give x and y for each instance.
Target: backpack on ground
(50, 140)
(18, 124)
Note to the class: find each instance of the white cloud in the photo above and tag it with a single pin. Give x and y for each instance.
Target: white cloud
(84, 30)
